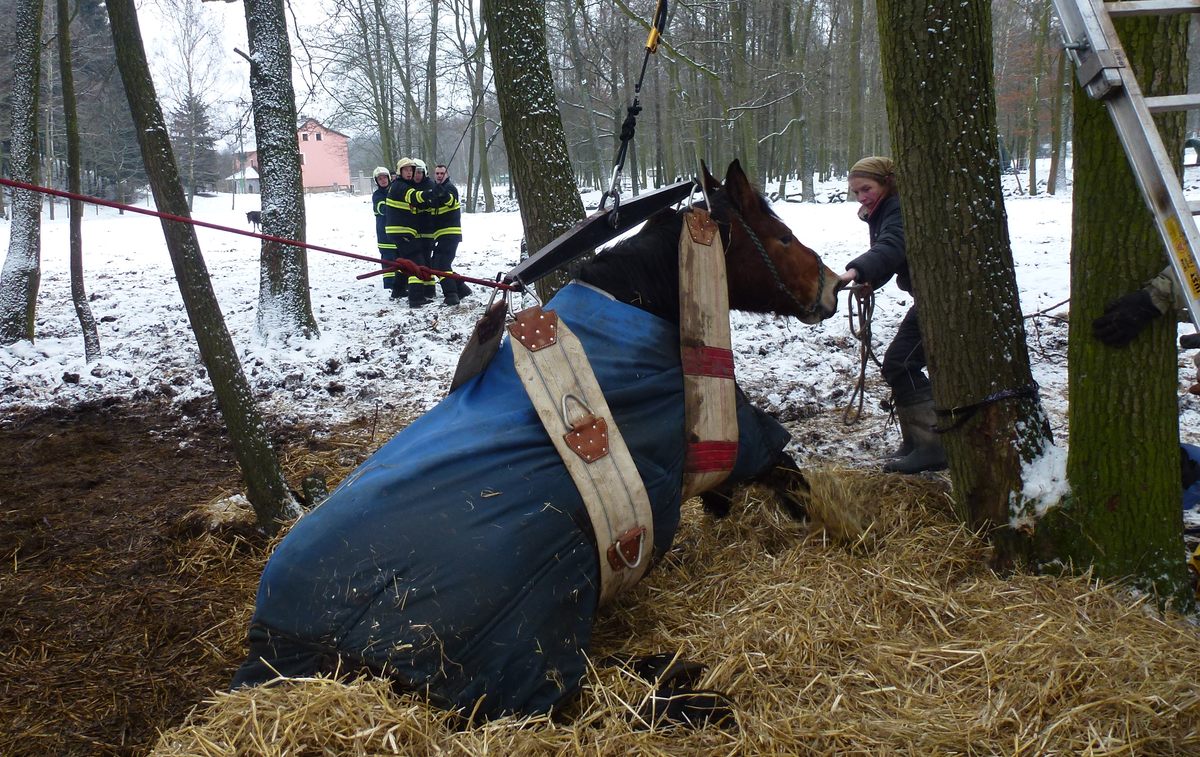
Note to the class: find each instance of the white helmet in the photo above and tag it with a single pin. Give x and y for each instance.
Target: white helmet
(419, 165)
(381, 170)
(404, 163)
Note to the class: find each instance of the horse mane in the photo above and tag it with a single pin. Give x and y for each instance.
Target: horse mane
(642, 270)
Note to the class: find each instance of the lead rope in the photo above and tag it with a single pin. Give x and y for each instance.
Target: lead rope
(865, 310)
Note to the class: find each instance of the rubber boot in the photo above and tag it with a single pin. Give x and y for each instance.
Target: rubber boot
(416, 294)
(906, 445)
(450, 291)
(430, 291)
(399, 288)
(464, 291)
(919, 420)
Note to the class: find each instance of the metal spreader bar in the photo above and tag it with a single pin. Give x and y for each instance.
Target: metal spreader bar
(1103, 71)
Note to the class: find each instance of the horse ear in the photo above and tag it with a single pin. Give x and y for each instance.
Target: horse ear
(708, 181)
(737, 184)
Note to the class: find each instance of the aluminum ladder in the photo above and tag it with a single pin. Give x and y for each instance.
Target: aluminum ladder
(1100, 64)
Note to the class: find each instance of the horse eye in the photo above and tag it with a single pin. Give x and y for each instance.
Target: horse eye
(786, 239)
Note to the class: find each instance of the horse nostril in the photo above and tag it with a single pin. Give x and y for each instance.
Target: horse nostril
(840, 286)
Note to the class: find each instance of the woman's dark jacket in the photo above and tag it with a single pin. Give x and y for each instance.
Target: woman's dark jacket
(886, 258)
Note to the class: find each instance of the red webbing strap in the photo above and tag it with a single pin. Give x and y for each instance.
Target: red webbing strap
(706, 457)
(707, 361)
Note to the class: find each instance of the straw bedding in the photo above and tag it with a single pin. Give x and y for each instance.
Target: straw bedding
(877, 631)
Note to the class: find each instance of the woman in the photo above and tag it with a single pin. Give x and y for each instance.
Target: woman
(873, 184)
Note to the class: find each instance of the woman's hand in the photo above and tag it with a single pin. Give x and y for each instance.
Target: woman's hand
(849, 279)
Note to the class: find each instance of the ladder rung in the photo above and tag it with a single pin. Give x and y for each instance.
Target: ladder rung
(1151, 7)
(1173, 102)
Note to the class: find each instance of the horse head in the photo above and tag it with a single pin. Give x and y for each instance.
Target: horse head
(768, 269)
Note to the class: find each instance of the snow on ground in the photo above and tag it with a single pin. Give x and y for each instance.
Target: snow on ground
(378, 356)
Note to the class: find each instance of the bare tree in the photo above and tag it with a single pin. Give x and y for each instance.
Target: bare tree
(83, 311)
(938, 60)
(22, 271)
(533, 131)
(193, 43)
(266, 488)
(1123, 518)
(284, 307)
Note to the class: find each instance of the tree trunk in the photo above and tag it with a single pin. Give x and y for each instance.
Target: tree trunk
(533, 130)
(593, 153)
(1056, 125)
(939, 62)
(266, 488)
(1041, 32)
(23, 266)
(1123, 517)
(48, 132)
(83, 310)
(431, 92)
(485, 170)
(854, 85)
(284, 307)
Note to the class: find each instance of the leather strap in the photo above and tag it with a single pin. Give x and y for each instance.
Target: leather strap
(563, 389)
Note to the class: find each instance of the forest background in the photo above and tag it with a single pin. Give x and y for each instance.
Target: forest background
(792, 88)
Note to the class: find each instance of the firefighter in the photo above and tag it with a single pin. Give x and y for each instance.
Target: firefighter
(405, 203)
(447, 233)
(387, 248)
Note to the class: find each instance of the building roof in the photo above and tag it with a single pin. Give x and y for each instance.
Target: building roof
(246, 174)
(307, 121)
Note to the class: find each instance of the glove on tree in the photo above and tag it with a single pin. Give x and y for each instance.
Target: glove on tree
(1124, 318)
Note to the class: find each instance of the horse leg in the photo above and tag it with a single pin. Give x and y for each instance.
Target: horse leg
(788, 483)
(783, 478)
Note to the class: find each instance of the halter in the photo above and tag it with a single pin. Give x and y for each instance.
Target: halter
(758, 245)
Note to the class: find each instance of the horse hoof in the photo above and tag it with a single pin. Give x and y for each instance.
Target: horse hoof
(692, 708)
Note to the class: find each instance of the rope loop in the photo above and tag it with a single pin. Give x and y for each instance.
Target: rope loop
(960, 414)
(864, 307)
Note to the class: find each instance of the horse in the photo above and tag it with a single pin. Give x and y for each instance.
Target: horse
(254, 218)
(459, 561)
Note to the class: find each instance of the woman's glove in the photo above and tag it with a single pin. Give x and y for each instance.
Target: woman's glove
(1124, 318)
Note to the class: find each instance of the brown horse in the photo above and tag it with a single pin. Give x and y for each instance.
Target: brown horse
(459, 559)
(768, 269)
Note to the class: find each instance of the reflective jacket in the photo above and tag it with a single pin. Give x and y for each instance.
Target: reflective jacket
(448, 215)
(379, 206)
(405, 203)
(423, 208)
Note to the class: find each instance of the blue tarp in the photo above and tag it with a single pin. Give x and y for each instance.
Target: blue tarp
(1191, 495)
(458, 559)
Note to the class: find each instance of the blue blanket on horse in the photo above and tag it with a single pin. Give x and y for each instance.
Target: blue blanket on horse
(459, 558)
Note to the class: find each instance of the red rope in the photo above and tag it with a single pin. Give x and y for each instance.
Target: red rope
(407, 266)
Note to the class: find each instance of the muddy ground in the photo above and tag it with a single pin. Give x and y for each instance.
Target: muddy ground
(116, 617)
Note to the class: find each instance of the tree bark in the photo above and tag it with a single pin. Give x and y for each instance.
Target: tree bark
(937, 64)
(284, 308)
(431, 91)
(266, 488)
(533, 130)
(854, 85)
(83, 310)
(1123, 518)
(1057, 143)
(22, 271)
(1041, 32)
